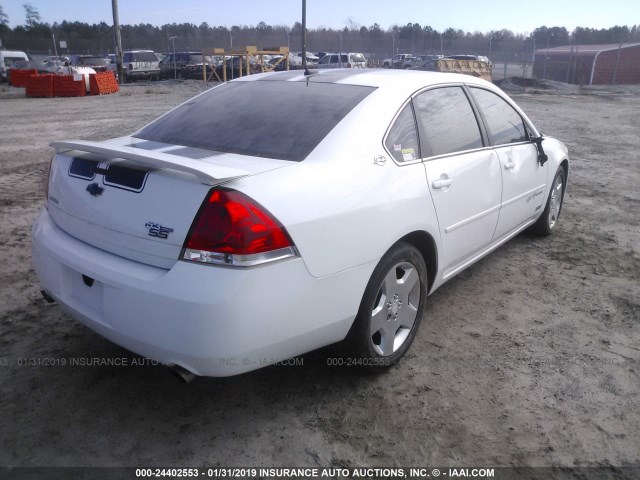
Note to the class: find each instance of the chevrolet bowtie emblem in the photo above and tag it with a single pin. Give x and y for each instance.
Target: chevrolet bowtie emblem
(94, 189)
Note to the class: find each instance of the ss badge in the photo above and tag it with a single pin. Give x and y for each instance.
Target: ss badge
(157, 230)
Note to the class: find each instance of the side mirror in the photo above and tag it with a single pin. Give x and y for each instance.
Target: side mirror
(542, 157)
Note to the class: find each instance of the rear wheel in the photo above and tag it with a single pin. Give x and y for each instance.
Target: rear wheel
(549, 218)
(391, 308)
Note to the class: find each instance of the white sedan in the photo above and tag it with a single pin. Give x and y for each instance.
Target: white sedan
(279, 213)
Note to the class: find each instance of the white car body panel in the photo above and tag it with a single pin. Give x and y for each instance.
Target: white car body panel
(220, 322)
(118, 220)
(524, 182)
(468, 208)
(345, 205)
(209, 169)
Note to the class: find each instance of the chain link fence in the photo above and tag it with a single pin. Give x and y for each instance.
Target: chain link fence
(509, 59)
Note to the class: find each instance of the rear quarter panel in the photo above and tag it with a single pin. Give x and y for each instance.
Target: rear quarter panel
(340, 208)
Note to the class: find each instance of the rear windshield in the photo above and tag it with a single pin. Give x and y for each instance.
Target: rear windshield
(140, 57)
(273, 119)
(357, 57)
(91, 61)
(8, 61)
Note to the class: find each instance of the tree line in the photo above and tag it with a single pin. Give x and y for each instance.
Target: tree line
(375, 41)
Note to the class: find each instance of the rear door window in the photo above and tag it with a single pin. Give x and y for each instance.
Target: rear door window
(99, 61)
(402, 140)
(446, 121)
(503, 123)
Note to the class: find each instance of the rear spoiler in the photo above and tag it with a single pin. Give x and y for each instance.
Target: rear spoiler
(207, 173)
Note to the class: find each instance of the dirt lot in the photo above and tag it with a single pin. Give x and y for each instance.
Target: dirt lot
(529, 358)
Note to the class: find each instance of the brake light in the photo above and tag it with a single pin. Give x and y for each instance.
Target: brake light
(233, 229)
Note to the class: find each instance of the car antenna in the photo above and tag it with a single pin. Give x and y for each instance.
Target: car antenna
(304, 38)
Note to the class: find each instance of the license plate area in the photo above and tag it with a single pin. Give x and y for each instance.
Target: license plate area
(88, 293)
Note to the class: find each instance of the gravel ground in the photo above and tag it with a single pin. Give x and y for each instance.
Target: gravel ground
(528, 358)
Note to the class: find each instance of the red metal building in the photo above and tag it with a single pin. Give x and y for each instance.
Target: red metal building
(589, 64)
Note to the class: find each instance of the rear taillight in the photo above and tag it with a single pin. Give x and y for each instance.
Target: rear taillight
(233, 229)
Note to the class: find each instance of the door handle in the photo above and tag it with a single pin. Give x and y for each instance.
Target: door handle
(442, 183)
(509, 164)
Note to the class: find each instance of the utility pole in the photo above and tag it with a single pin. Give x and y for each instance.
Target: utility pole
(304, 37)
(116, 28)
(55, 48)
(175, 60)
(393, 47)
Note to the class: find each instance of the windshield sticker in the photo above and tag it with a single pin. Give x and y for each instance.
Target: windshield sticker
(408, 154)
(397, 147)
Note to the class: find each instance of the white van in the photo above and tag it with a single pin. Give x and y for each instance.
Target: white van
(7, 60)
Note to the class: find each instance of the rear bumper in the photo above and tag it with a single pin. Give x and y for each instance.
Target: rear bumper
(141, 74)
(213, 321)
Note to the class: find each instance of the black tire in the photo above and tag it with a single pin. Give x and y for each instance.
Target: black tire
(377, 349)
(548, 221)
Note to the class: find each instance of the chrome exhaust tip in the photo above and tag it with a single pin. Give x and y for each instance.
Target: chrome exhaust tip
(184, 375)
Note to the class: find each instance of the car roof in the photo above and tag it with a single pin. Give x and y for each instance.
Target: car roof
(384, 79)
(12, 52)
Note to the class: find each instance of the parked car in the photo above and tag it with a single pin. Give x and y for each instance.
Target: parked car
(140, 64)
(232, 65)
(345, 60)
(187, 65)
(95, 62)
(397, 61)
(425, 58)
(8, 59)
(212, 241)
(278, 63)
(295, 60)
(59, 60)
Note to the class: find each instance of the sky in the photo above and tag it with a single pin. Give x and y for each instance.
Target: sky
(468, 15)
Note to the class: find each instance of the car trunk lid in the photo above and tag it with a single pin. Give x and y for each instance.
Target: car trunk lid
(137, 198)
